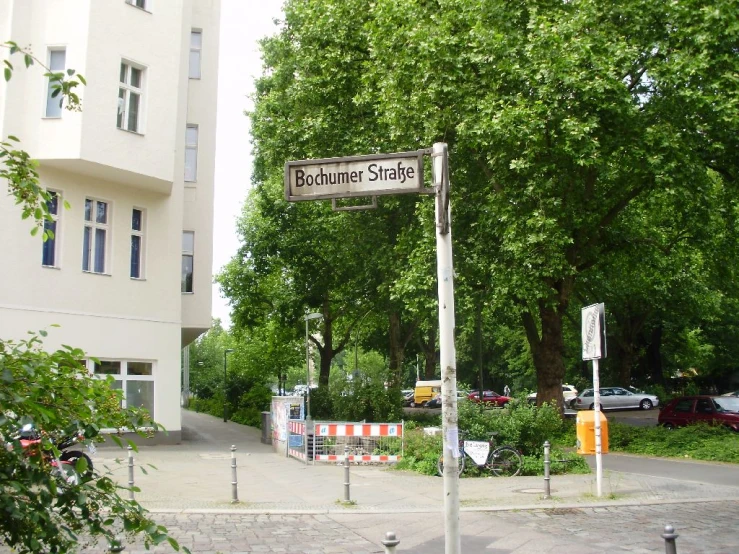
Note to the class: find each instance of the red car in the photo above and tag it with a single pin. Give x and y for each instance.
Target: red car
(715, 410)
(489, 397)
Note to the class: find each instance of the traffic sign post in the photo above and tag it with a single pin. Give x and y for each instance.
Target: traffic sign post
(402, 173)
(594, 348)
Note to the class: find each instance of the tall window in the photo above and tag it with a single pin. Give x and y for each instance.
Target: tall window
(135, 379)
(95, 236)
(57, 62)
(196, 44)
(188, 254)
(130, 92)
(191, 153)
(137, 243)
(51, 228)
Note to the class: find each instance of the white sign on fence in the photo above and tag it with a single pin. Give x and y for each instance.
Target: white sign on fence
(477, 450)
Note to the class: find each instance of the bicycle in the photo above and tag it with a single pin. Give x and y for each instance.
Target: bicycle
(502, 460)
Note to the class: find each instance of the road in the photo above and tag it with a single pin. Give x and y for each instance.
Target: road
(693, 471)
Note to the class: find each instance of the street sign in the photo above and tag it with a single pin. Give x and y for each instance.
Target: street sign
(355, 176)
(593, 332)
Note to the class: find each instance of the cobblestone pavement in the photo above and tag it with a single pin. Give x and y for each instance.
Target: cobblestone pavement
(703, 528)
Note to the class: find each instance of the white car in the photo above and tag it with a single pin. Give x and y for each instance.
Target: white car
(568, 392)
(615, 398)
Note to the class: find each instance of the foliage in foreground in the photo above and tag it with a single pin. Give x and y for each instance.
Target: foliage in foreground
(54, 392)
(697, 442)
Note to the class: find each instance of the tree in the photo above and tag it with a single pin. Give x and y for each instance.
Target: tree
(561, 117)
(54, 392)
(571, 125)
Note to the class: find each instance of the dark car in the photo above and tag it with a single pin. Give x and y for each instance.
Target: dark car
(489, 397)
(435, 402)
(714, 410)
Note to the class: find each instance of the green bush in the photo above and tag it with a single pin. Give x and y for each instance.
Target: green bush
(420, 452)
(520, 424)
(699, 442)
(357, 401)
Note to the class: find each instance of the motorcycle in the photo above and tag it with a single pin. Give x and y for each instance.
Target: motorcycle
(65, 465)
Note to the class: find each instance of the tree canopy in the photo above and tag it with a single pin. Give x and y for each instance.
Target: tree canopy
(593, 158)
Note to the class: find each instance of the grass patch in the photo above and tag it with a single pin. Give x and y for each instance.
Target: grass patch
(695, 442)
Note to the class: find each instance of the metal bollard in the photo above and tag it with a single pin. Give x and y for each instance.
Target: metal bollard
(390, 542)
(347, 496)
(547, 478)
(669, 535)
(130, 472)
(234, 480)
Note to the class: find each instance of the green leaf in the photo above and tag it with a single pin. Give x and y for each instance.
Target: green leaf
(8, 74)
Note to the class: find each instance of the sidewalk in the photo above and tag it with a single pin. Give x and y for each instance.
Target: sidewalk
(288, 507)
(196, 476)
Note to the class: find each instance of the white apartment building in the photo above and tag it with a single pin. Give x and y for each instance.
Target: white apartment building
(128, 275)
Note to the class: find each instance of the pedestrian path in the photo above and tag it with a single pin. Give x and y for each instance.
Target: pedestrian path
(197, 476)
(285, 506)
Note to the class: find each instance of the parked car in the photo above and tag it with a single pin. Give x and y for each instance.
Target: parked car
(489, 397)
(435, 402)
(568, 392)
(715, 410)
(732, 393)
(615, 398)
(407, 396)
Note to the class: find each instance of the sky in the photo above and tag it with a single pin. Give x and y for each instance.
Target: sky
(243, 23)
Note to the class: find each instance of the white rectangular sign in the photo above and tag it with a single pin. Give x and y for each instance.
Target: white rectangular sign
(593, 332)
(477, 450)
(354, 176)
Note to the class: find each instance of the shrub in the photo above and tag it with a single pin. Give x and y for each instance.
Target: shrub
(700, 442)
(520, 424)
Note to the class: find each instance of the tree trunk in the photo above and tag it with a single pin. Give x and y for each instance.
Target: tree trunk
(654, 356)
(548, 348)
(397, 349)
(428, 346)
(327, 353)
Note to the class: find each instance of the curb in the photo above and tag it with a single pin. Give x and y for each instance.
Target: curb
(353, 510)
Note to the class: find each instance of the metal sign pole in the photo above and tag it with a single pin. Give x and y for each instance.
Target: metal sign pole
(598, 452)
(447, 354)
(594, 348)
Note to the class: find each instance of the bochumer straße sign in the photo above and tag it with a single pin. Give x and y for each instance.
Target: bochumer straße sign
(355, 176)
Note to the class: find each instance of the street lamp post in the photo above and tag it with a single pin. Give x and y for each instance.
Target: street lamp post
(308, 317)
(225, 379)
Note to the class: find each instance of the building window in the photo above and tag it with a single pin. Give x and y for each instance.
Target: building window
(57, 63)
(138, 3)
(130, 93)
(188, 254)
(137, 243)
(191, 153)
(95, 236)
(51, 231)
(196, 45)
(135, 379)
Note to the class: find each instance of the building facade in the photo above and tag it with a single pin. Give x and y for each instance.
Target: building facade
(127, 276)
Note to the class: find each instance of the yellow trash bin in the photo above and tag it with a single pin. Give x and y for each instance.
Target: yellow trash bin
(586, 432)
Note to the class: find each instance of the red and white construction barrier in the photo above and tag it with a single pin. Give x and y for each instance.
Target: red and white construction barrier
(365, 430)
(353, 458)
(359, 429)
